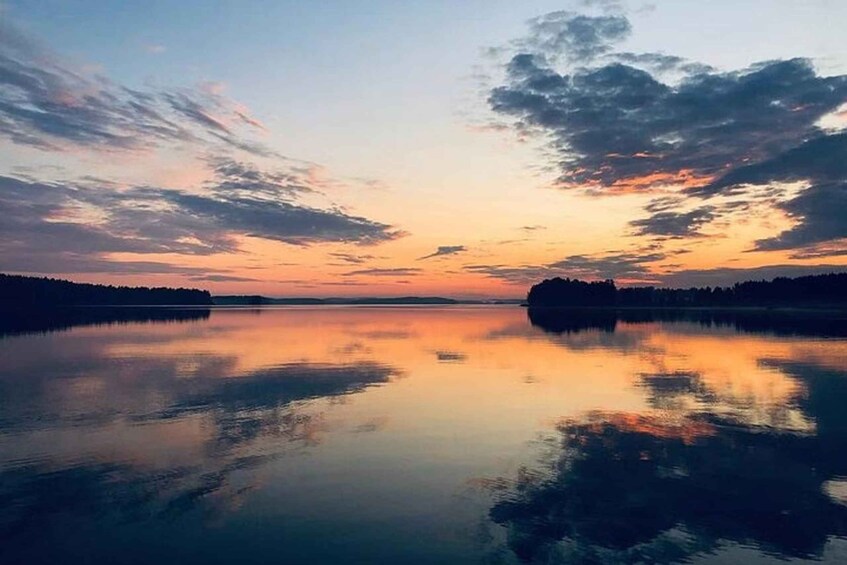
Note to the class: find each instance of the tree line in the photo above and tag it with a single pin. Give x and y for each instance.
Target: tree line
(814, 290)
(20, 291)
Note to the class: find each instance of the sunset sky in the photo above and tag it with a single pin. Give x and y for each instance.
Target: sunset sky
(463, 149)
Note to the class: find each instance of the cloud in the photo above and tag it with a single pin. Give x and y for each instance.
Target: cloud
(221, 278)
(625, 265)
(821, 215)
(661, 63)
(828, 249)
(675, 224)
(384, 272)
(633, 266)
(619, 128)
(75, 226)
(48, 103)
(620, 121)
(353, 259)
(445, 250)
(728, 276)
(579, 38)
(638, 268)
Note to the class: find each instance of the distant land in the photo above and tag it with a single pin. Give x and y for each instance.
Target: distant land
(19, 291)
(816, 291)
(248, 300)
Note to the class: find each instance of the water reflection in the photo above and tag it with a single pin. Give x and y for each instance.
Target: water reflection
(421, 435)
(16, 321)
(703, 468)
(821, 323)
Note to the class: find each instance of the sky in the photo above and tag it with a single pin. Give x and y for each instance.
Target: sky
(464, 149)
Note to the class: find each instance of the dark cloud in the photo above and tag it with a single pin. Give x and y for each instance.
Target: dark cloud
(819, 209)
(637, 267)
(619, 127)
(620, 121)
(579, 38)
(513, 274)
(675, 224)
(73, 227)
(661, 63)
(728, 276)
(46, 103)
(829, 249)
(628, 265)
(445, 250)
(821, 158)
(821, 215)
(631, 265)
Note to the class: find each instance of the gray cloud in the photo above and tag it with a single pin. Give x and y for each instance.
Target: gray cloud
(821, 214)
(47, 103)
(610, 266)
(614, 124)
(828, 249)
(661, 63)
(635, 267)
(728, 276)
(630, 265)
(75, 226)
(353, 259)
(618, 127)
(579, 38)
(445, 250)
(675, 224)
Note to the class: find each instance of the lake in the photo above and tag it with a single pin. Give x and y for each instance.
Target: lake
(460, 434)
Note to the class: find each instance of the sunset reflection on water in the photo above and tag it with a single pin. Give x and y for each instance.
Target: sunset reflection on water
(420, 435)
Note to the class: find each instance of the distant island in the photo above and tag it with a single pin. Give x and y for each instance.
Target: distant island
(815, 291)
(18, 292)
(256, 300)
(24, 292)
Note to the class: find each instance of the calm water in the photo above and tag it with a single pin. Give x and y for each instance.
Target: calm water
(422, 435)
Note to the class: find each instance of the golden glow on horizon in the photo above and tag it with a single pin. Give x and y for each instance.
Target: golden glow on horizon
(440, 359)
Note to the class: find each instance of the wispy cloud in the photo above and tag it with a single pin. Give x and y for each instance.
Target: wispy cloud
(384, 272)
(49, 103)
(75, 226)
(353, 259)
(632, 266)
(445, 250)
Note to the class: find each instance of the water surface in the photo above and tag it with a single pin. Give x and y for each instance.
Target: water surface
(422, 435)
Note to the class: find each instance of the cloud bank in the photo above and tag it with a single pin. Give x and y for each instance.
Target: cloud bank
(76, 226)
(73, 227)
(617, 122)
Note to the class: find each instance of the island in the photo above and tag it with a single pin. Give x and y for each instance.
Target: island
(813, 291)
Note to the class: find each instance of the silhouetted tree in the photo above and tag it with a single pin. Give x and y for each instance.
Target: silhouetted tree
(19, 291)
(813, 290)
